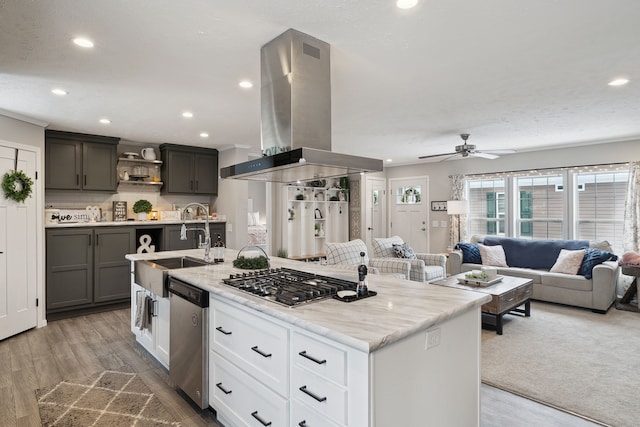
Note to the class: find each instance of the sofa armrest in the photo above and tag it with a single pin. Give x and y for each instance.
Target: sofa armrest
(605, 279)
(391, 265)
(455, 262)
(434, 259)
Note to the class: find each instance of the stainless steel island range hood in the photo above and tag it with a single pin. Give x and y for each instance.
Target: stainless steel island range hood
(296, 116)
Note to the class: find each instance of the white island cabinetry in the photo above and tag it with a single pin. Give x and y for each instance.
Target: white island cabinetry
(155, 338)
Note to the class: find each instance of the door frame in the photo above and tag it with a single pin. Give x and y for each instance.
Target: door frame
(38, 194)
(366, 210)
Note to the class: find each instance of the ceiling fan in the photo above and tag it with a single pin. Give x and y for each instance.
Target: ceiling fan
(469, 150)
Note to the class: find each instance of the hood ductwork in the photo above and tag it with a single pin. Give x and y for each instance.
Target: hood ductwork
(296, 116)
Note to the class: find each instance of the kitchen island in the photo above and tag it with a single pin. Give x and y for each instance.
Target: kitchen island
(409, 356)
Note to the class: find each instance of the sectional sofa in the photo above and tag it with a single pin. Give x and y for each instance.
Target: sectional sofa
(593, 287)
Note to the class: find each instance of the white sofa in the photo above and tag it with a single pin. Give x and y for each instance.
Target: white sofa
(596, 293)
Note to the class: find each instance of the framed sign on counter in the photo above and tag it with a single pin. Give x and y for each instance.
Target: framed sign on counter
(119, 211)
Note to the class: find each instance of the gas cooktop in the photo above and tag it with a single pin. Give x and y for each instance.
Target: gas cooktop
(287, 286)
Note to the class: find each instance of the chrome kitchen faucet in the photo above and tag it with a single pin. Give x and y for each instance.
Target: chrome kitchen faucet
(207, 234)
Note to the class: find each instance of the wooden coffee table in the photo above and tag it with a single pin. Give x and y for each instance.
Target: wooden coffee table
(507, 296)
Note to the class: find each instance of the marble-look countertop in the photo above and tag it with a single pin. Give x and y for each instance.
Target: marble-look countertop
(130, 223)
(401, 308)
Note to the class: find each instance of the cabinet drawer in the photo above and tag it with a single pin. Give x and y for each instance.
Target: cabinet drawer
(324, 359)
(320, 394)
(303, 416)
(525, 292)
(254, 344)
(241, 399)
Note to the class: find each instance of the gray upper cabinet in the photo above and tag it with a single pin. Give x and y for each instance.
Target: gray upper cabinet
(189, 170)
(80, 162)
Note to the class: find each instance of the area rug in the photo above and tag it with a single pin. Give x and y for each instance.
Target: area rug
(570, 358)
(110, 398)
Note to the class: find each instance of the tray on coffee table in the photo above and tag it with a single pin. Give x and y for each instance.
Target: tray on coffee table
(479, 282)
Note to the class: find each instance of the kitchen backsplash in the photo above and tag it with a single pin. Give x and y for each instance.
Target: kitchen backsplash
(159, 202)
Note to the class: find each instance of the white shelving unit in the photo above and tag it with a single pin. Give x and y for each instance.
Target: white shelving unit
(314, 216)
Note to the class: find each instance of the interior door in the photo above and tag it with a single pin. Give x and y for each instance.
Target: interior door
(408, 211)
(18, 251)
(375, 220)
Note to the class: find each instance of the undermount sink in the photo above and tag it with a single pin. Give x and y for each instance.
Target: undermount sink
(152, 274)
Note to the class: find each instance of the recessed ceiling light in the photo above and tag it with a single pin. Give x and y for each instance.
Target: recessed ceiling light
(58, 91)
(83, 42)
(105, 121)
(204, 135)
(619, 82)
(406, 4)
(389, 160)
(187, 114)
(245, 84)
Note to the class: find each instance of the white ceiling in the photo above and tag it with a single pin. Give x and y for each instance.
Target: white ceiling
(518, 75)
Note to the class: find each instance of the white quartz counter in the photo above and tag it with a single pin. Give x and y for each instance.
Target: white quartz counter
(130, 223)
(401, 308)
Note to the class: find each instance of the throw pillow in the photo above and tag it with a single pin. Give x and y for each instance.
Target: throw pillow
(593, 257)
(470, 253)
(404, 251)
(493, 255)
(568, 262)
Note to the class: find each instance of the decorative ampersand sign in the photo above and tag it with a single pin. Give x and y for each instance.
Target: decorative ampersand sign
(145, 245)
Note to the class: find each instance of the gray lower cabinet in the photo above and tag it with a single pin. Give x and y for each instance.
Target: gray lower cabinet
(172, 242)
(86, 267)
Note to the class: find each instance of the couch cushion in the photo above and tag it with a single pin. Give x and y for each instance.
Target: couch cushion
(567, 281)
(568, 262)
(533, 253)
(470, 253)
(592, 258)
(492, 255)
(525, 273)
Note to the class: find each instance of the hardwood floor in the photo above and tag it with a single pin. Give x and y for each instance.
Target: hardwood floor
(85, 345)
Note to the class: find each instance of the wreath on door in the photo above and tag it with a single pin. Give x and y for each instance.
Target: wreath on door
(16, 186)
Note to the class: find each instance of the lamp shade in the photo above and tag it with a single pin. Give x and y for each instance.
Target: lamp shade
(456, 207)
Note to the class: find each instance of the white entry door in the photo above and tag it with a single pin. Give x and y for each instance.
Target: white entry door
(408, 210)
(375, 220)
(18, 251)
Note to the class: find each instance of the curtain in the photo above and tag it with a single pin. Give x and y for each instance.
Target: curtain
(630, 240)
(457, 222)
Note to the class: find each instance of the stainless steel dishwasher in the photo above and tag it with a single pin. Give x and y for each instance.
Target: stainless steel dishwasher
(189, 340)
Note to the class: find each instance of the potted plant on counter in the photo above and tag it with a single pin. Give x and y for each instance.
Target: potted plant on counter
(142, 207)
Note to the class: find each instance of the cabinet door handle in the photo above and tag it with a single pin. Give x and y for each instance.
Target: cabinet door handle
(97, 239)
(303, 423)
(305, 355)
(190, 185)
(219, 329)
(77, 179)
(196, 185)
(260, 352)
(224, 390)
(85, 180)
(307, 392)
(263, 422)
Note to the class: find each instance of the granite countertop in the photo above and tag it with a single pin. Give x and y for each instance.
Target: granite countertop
(401, 308)
(129, 223)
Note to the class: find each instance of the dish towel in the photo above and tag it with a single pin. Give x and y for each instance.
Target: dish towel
(141, 310)
(149, 313)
